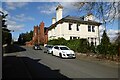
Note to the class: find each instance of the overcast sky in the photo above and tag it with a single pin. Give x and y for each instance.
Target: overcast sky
(23, 16)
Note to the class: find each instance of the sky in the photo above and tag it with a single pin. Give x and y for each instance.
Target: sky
(23, 16)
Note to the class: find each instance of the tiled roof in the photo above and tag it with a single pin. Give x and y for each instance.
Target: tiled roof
(73, 19)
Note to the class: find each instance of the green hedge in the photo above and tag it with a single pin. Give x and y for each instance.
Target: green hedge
(78, 45)
(83, 46)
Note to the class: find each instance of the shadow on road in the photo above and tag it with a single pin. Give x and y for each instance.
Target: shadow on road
(13, 48)
(27, 68)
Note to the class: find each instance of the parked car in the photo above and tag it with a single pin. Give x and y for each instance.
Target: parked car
(48, 49)
(37, 47)
(63, 52)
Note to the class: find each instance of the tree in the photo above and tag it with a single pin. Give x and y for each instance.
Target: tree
(103, 48)
(117, 42)
(6, 35)
(3, 19)
(105, 39)
(21, 39)
(24, 37)
(104, 11)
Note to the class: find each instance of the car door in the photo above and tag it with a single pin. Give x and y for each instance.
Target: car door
(55, 50)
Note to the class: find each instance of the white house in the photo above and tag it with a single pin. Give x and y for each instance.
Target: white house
(71, 27)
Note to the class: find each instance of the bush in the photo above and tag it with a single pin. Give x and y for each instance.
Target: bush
(74, 44)
(84, 46)
(59, 41)
(78, 45)
(112, 49)
(92, 48)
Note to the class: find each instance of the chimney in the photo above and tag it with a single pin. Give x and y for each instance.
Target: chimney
(53, 20)
(59, 12)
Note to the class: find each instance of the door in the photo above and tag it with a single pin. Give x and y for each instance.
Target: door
(55, 51)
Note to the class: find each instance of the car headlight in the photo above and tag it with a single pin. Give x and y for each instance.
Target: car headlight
(63, 52)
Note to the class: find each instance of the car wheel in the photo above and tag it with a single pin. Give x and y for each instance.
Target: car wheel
(60, 55)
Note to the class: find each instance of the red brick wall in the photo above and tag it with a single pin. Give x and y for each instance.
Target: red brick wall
(42, 33)
(39, 36)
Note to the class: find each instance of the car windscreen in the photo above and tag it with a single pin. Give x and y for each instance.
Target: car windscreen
(49, 46)
(37, 45)
(64, 48)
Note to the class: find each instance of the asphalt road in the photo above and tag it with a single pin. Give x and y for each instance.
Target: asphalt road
(42, 65)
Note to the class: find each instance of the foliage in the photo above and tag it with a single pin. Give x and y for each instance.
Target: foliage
(73, 44)
(107, 48)
(99, 10)
(24, 37)
(92, 48)
(83, 46)
(105, 42)
(78, 45)
(112, 49)
(6, 37)
(59, 41)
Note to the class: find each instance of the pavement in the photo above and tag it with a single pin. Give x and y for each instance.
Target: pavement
(11, 64)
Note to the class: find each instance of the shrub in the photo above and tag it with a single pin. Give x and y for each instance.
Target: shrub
(84, 46)
(74, 44)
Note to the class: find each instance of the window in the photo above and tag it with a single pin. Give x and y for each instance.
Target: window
(78, 37)
(56, 47)
(70, 28)
(93, 28)
(70, 37)
(89, 28)
(64, 48)
(88, 38)
(77, 27)
(74, 37)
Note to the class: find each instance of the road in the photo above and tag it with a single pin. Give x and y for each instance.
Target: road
(42, 65)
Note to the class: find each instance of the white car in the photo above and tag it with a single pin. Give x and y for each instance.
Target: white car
(63, 52)
(48, 49)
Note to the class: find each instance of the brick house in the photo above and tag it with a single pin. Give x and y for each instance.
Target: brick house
(40, 35)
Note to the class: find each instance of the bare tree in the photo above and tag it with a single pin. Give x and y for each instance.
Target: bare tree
(104, 11)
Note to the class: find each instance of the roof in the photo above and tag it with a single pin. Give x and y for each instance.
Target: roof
(73, 19)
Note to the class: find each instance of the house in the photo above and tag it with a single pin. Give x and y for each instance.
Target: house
(40, 35)
(71, 27)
